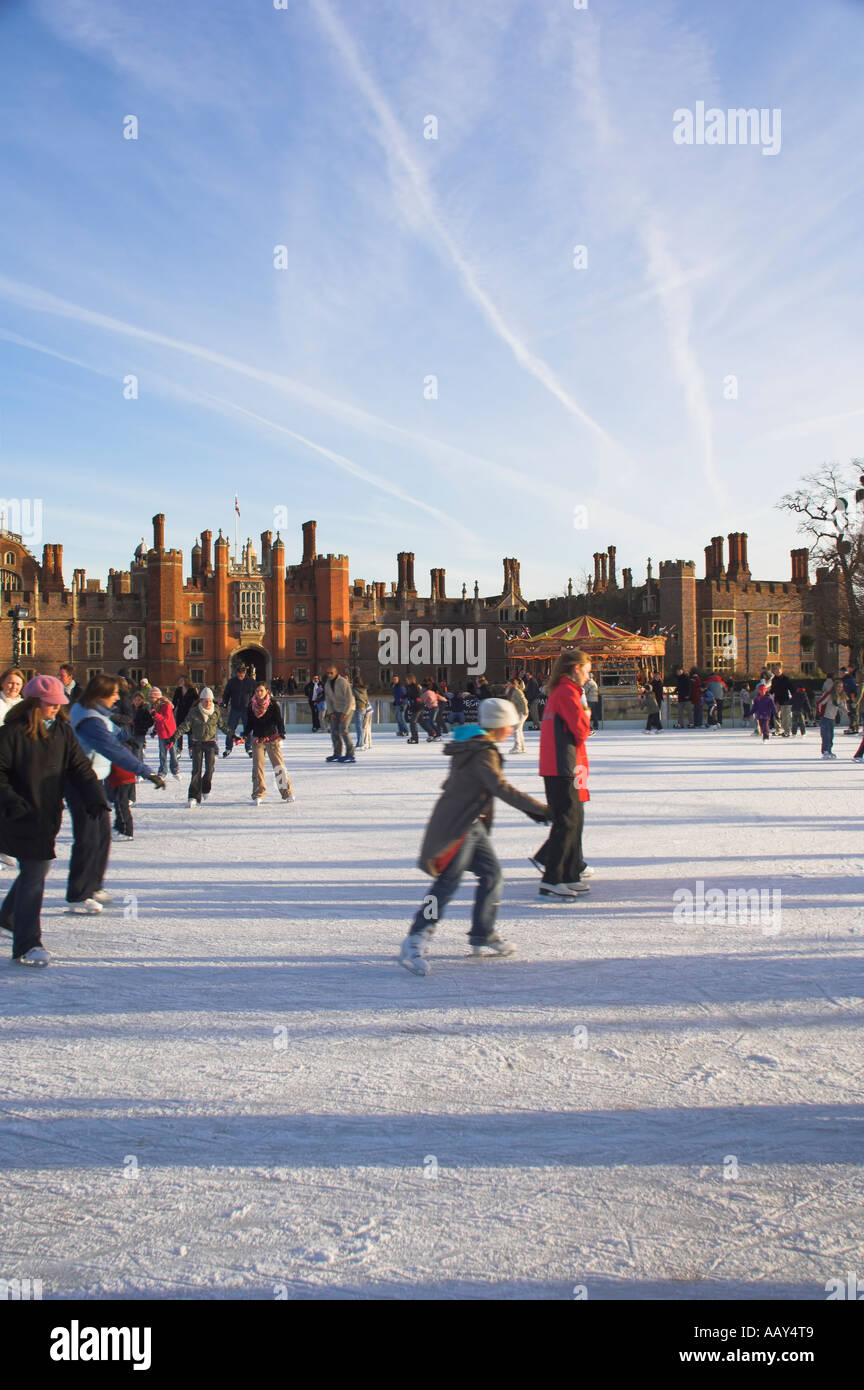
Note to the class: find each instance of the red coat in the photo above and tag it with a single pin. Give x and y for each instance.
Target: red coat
(695, 690)
(163, 719)
(563, 735)
(119, 776)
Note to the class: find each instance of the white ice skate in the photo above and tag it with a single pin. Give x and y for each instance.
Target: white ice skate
(413, 953)
(89, 907)
(101, 896)
(37, 955)
(494, 946)
(8, 861)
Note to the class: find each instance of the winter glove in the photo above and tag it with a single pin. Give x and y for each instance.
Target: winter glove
(158, 781)
(96, 808)
(545, 819)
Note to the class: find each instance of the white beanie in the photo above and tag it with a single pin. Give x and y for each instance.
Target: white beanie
(497, 714)
(206, 693)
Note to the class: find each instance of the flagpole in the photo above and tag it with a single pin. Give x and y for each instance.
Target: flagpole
(235, 528)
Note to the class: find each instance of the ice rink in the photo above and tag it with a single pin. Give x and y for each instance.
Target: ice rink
(227, 1087)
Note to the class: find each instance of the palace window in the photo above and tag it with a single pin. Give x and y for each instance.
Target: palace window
(9, 579)
(196, 646)
(301, 676)
(198, 677)
(773, 646)
(10, 557)
(301, 646)
(249, 605)
(27, 641)
(301, 612)
(196, 610)
(93, 671)
(136, 674)
(720, 647)
(806, 619)
(94, 641)
(808, 667)
(773, 619)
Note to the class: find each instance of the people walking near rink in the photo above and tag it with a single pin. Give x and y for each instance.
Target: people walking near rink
(202, 724)
(166, 727)
(592, 696)
(398, 708)
(649, 699)
(781, 689)
(39, 758)
(362, 716)
(266, 729)
(313, 691)
(339, 699)
(458, 836)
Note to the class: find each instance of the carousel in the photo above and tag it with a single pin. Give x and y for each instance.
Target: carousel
(618, 657)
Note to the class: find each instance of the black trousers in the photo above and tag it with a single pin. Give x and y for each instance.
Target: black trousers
(91, 846)
(561, 855)
(23, 904)
(203, 762)
(316, 720)
(122, 812)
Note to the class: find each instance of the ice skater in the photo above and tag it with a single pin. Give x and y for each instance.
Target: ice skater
(458, 836)
(266, 728)
(764, 712)
(202, 724)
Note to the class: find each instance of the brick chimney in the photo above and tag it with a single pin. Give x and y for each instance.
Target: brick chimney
(743, 567)
(47, 564)
(800, 566)
(597, 572)
(627, 575)
(613, 578)
(266, 547)
(309, 541)
(603, 561)
(206, 552)
(402, 571)
(159, 532)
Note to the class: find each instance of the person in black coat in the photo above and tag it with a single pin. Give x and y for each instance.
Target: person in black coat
(235, 698)
(39, 754)
(184, 697)
(266, 728)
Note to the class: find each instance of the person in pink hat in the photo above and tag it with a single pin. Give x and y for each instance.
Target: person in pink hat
(39, 753)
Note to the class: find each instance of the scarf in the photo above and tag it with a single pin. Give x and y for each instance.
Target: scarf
(260, 706)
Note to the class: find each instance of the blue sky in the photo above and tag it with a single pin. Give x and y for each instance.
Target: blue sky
(303, 388)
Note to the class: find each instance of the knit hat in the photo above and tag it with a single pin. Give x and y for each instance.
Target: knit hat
(497, 714)
(47, 688)
(155, 693)
(206, 694)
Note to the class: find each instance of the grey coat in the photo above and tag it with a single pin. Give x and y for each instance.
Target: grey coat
(469, 794)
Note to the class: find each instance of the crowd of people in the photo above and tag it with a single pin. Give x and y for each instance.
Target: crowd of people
(61, 744)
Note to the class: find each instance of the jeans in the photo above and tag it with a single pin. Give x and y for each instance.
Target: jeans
(561, 855)
(22, 905)
(401, 725)
(477, 856)
(697, 716)
(427, 722)
(339, 732)
(826, 727)
(91, 846)
(441, 719)
(166, 754)
(122, 814)
(593, 710)
(203, 762)
(236, 716)
(358, 725)
(458, 718)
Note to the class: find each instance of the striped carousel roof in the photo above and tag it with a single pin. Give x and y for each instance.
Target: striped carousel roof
(591, 635)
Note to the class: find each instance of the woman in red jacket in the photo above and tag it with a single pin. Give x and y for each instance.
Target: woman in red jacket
(565, 728)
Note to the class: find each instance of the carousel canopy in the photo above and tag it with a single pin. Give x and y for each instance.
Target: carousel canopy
(591, 635)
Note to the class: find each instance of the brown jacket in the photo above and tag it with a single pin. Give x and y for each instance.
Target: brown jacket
(469, 794)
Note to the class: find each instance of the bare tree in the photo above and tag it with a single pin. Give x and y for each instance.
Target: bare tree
(828, 504)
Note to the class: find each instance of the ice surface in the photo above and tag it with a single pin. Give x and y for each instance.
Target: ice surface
(227, 1087)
